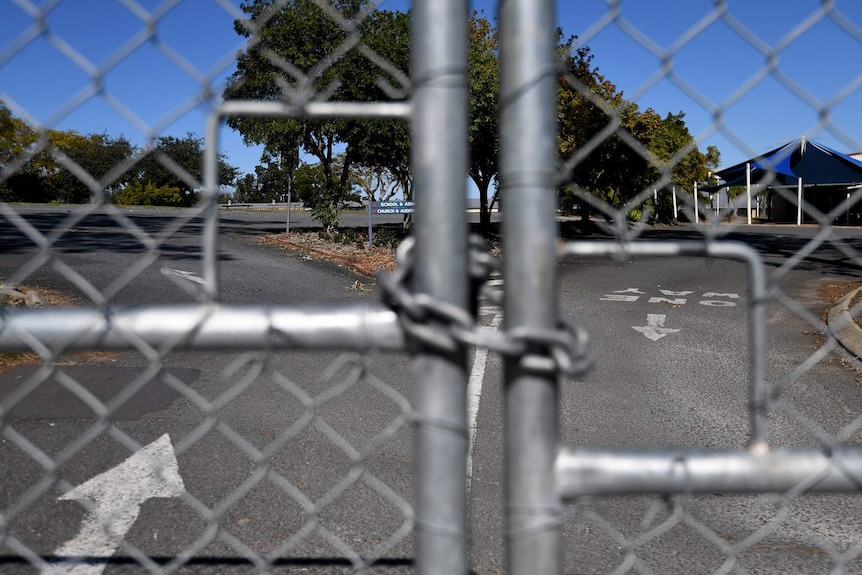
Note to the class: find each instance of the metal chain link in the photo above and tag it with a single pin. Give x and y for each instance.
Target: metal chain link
(441, 326)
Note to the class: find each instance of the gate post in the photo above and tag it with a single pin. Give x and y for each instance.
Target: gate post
(528, 154)
(439, 64)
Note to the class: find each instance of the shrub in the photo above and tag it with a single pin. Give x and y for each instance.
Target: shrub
(138, 194)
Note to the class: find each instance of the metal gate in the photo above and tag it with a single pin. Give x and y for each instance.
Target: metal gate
(428, 311)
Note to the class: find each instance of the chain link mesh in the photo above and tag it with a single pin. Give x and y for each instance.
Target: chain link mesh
(796, 529)
(272, 469)
(262, 465)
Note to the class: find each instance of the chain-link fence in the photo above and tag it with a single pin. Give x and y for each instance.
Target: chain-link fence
(680, 496)
(163, 410)
(173, 401)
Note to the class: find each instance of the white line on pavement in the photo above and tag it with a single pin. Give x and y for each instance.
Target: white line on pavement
(474, 393)
(183, 274)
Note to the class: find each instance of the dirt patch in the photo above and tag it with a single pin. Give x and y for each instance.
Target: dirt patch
(9, 360)
(349, 248)
(348, 253)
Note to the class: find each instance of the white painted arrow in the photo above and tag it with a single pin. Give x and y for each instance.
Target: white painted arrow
(117, 496)
(655, 329)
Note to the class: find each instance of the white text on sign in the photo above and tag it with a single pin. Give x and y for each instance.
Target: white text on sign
(393, 207)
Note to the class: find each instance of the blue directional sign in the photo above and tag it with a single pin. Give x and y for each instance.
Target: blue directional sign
(393, 207)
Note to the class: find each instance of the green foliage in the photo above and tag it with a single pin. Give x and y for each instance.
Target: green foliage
(483, 59)
(247, 189)
(139, 194)
(60, 166)
(630, 151)
(95, 154)
(178, 163)
(625, 151)
(301, 33)
(68, 167)
(323, 197)
(16, 137)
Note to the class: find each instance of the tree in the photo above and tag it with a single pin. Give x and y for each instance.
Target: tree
(17, 183)
(140, 194)
(96, 154)
(320, 196)
(292, 60)
(16, 137)
(51, 160)
(590, 112)
(382, 145)
(274, 177)
(378, 184)
(247, 189)
(618, 152)
(178, 163)
(483, 58)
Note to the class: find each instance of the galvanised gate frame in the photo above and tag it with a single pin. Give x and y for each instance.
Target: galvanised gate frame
(539, 475)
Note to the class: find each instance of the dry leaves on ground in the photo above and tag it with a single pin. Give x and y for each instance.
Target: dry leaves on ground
(360, 259)
(834, 290)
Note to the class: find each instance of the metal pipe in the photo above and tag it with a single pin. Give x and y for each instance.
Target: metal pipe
(675, 209)
(748, 189)
(400, 110)
(799, 201)
(209, 197)
(439, 148)
(584, 472)
(696, 205)
(528, 154)
(201, 327)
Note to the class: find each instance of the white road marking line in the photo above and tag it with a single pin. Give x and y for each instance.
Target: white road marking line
(474, 394)
(117, 496)
(183, 274)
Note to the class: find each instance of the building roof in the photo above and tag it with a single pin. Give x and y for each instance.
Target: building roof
(815, 163)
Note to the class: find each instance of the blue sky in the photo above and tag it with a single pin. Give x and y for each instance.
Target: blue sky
(156, 87)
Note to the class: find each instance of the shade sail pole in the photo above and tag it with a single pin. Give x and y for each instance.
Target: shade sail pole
(675, 211)
(696, 209)
(799, 201)
(748, 188)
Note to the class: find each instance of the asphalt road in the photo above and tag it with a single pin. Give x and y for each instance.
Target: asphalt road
(651, 387)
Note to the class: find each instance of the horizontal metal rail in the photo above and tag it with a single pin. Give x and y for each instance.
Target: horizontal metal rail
(395, 110)
(585, 472)
(201, 327)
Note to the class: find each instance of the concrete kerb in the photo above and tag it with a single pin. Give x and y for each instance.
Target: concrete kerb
(843, 327)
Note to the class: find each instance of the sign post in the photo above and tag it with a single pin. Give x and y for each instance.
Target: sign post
(370, 232)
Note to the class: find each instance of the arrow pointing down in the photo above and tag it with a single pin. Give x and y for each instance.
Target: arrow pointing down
(655, 329)
(117, 496)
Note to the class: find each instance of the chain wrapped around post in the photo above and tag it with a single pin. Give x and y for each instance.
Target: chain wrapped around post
(441, 326)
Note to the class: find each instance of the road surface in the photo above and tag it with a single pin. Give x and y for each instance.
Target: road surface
(670, 339)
